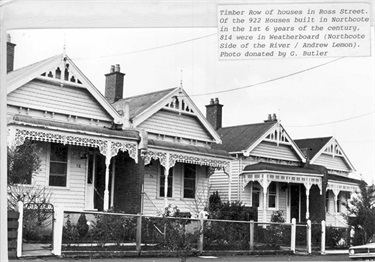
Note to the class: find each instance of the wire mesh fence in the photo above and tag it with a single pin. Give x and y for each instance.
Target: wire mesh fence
(226, 235)
(129, 232)
(106, 231)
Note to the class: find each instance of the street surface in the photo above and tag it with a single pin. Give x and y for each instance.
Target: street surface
(338, 257)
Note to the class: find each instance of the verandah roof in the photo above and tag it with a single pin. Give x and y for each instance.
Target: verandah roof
(76, 128)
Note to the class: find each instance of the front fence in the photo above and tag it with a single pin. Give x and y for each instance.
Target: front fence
(88, 231)
(85, 231)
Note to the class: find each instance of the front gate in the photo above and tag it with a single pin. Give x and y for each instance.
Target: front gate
(37, 233)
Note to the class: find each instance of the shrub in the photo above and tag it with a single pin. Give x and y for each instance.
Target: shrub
(219, 234)
(334, 237)
(113, 228)
(176, 238)
(275, 233)
(70, 232)
(82, 226)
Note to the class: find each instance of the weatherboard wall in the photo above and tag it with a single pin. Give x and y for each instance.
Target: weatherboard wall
(71, 197)
(274, 151)
(173, 124)
(50, 97)
(332, 162)
(153, 204)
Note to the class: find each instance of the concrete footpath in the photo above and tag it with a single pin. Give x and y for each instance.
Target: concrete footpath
(237, 258)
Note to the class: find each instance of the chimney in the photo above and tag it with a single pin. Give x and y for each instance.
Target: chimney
(214, 113)
(271, 118)
(114, 84)
(10, 54)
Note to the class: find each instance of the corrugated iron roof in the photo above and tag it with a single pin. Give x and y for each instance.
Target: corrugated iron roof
(312, 146)
(140, 103)
(332, 177)
(238, 138)
(262, 166)
(190, 148)
(75, 128)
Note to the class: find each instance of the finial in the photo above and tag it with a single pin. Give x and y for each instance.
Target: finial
(64, 47)
(181, 79)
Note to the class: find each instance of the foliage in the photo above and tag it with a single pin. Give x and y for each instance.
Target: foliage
(199, 202)
(82, 226)
(361, 211)
(113, 228)
(37, 219)
(176, 237)
(27, 194)
(234, 210)
(334, 237)
(214, 204)
(70, 231)
(275, 233)
(23, 162)
(219, 234)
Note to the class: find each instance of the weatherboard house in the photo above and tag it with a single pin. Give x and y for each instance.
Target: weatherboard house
(305, 179)
(135, 154)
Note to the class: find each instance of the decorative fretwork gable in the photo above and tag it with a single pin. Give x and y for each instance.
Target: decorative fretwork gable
(173, 115)
(275, 145)
(62, 73)
(333, 158)
(333, 149)
(180, 105)
(278, 135)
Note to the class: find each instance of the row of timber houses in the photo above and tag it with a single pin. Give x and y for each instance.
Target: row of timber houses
(140, 154)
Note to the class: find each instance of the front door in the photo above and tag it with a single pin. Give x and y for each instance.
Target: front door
(90, 181)
(95, 178)
(295, 206)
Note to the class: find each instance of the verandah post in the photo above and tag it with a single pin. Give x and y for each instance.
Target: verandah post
(252, 235)
(293, 236)
(308, 236)
(20, 228)
(323, 241)
(201, 236)
(139, 233)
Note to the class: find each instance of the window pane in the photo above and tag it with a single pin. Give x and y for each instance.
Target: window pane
(57, 181)
(59, 152)
(58, 165)
(272, 195)
(189, 193)
(272, 188)
(189, 180)
(272, 201)
(255, 199)
(57, 169)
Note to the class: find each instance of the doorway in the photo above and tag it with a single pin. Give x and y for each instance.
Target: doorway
(295, 203)
(95, 181)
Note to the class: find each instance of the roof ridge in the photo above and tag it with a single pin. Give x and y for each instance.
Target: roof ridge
(313, 138)
(253, 124)
(150, 93)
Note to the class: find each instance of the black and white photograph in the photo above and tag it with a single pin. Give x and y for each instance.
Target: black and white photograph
(187, 130)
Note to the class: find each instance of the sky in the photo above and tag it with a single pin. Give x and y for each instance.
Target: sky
(312, 97)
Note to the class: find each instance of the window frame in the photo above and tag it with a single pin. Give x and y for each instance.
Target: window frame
(48, 167)
(275, 194)
(186, 165)
(256, 189)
